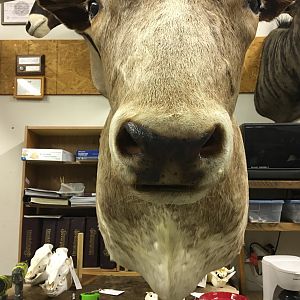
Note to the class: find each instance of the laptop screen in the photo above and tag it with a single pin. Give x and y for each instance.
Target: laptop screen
(272, 145)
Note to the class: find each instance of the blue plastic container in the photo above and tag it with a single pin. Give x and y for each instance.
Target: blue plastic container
(291, 211)
(265, 211)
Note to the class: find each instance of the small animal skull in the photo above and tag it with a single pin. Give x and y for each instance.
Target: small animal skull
(220, 277)
(151, 296)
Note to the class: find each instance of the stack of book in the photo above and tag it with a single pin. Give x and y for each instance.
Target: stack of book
(45, 197)
(87, 155)
(79, 201)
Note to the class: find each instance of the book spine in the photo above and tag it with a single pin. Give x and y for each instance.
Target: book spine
(77, 225)
(86, 157)
(31, 237)
(91, 243)
(105, 261)
(49, 231)
(62, 233)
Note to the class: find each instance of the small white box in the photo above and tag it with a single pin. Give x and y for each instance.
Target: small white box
(47, 155)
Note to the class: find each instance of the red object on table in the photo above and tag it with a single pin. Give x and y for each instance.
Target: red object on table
(222, 296)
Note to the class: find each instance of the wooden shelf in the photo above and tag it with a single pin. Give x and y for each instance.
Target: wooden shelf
(43, 162)
(274, 184)
(101, 272)
(65, 130)
(36, 205)
(273, 227)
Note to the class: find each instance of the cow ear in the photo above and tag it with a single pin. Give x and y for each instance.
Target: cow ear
(272, 8)
(72, 13)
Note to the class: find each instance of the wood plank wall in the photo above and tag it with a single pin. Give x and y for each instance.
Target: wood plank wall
(68, 65)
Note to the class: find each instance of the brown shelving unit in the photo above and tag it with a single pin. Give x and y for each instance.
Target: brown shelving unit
(274, 184)
(273, 227)
(48, 175)
(267, 227)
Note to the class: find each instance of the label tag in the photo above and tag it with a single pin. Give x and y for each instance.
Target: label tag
(111, 292)
(197, 295)
(74, 276)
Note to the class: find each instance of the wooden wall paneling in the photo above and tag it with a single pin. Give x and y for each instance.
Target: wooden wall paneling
(251, 66)
(8, 63)
(68, 66)
(73, 75)
(49, 49)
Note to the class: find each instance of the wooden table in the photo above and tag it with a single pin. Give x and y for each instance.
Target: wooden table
(135, 289)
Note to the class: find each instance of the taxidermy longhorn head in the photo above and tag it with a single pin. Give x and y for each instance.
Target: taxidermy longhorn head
(172, 191)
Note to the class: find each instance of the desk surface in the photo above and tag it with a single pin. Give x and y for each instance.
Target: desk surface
(135, 289)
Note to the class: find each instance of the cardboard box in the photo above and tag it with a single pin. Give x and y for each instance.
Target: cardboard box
(47, 155)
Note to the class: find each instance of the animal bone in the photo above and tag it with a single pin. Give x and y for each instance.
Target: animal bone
(59, 274)
(37, 271)
(151, 296)
(220, 277)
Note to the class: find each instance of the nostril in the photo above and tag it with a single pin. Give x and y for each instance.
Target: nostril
(28, 25)
(213, 143)
(127, 140)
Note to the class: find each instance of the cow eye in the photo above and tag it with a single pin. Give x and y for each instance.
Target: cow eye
(254, 5)
(93, 8)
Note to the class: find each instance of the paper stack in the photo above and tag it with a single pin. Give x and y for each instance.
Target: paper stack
(80, 201)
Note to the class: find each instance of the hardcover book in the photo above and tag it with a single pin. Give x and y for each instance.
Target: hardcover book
(49, 231)
(87, 153)
(62, 233)
(91, 243)
(105, 261)
(31, 237)
(47, 201)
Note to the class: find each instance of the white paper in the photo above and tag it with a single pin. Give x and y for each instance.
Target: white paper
(75, 277)
(197, 295)
(111, 292)
(29, 87)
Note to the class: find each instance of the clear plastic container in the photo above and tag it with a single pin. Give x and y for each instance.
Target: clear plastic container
(291, 211)
(265, 211)
(71, 189)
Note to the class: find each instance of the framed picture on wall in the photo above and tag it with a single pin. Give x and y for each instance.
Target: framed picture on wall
(29, 87)
(15, 12)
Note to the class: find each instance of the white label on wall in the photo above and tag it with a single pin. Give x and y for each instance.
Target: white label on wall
(29, 60)
(33, 69)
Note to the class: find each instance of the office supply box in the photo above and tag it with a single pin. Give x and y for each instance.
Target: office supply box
(47, 155)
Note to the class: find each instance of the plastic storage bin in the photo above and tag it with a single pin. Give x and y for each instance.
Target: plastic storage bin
(265, 211)
(291, 211)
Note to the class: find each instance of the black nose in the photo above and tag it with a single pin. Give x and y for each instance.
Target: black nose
(28, 25)
(135, 140)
